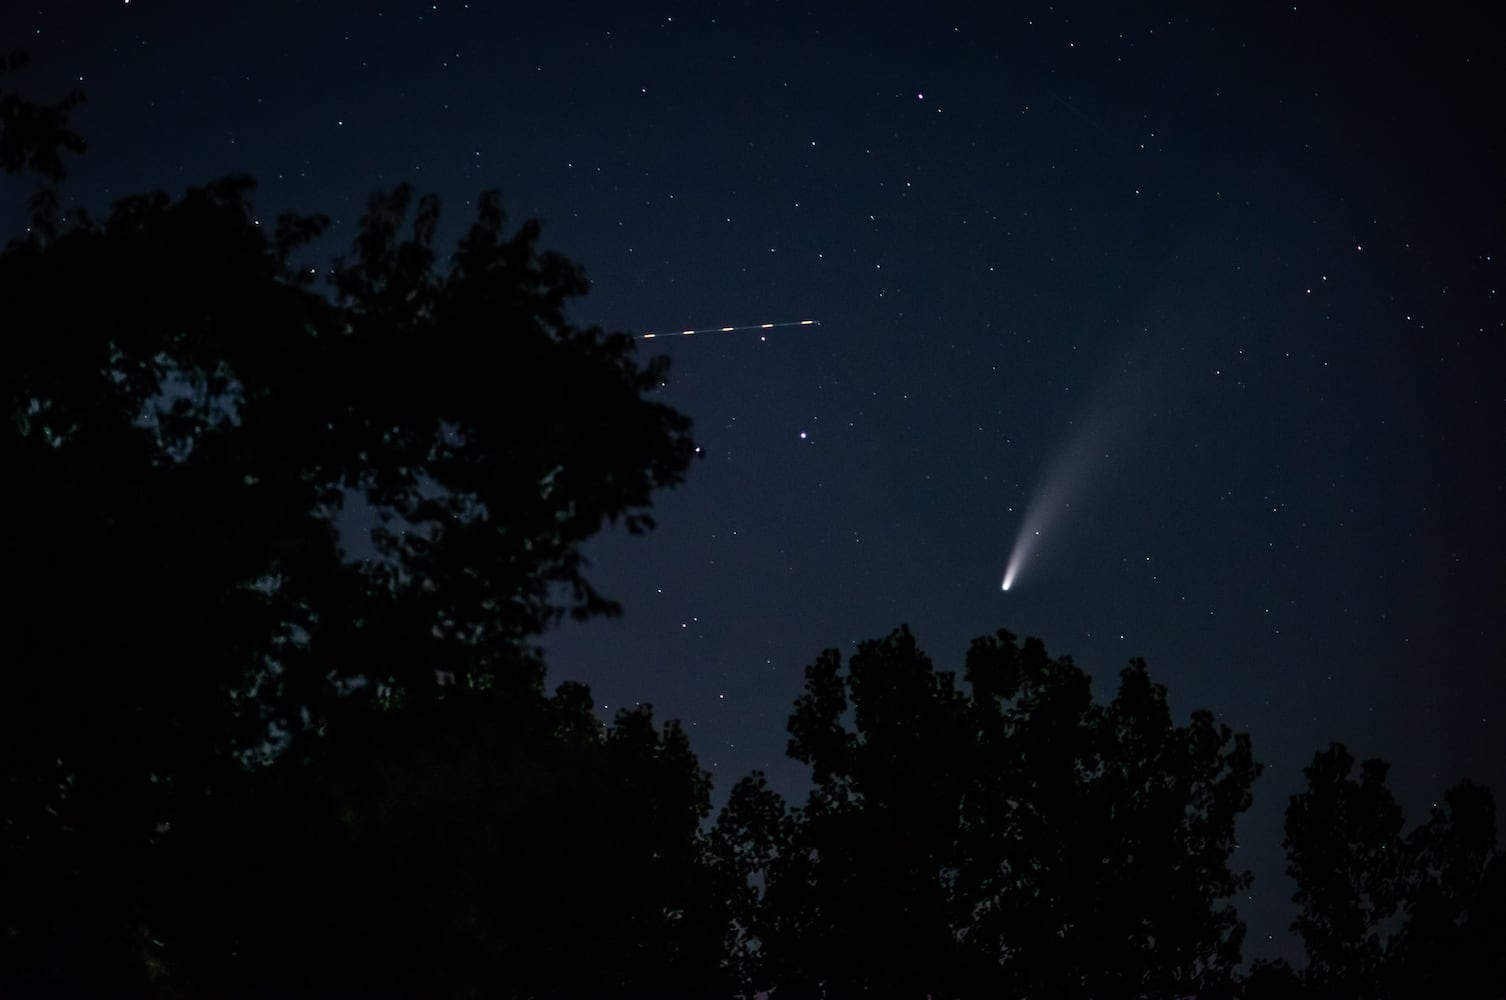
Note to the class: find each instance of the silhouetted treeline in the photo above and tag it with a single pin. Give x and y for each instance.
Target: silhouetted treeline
(190, 659)
(237, 761)
(1020, 839)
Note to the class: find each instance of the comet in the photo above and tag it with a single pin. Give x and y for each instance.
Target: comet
(1086, 451)
(1104, 437)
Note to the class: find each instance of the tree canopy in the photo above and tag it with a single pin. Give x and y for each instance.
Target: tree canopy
(1017, 838)
(490, 844)
(187, 412)
(1388, 914)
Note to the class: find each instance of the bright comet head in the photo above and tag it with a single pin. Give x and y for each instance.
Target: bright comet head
(1022, 546)
(1009, 573)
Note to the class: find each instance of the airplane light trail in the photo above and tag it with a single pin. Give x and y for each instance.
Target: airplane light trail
(732, 329)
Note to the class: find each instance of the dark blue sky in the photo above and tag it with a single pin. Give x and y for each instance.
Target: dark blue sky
(1237, 272)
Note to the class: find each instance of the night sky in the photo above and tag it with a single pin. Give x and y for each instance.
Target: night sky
(1207, 299)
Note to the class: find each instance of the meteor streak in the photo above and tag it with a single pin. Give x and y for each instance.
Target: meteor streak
(732, 329)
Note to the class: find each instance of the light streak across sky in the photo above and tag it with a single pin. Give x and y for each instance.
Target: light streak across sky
(732, 329)
(1053, 498)
(1101, 439)
(1109, 430)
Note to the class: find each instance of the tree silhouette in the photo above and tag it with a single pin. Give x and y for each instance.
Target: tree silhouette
(1455, 934)
(33, 139)
(1018, 839)
(186, 414)
(1387, 915)
(1345, 852)
(497, 844)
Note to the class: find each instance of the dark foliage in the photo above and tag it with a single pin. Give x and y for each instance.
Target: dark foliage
(185, 414)
(1386, 915)
(33, 139)
(1018, 840)
(493, 844)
